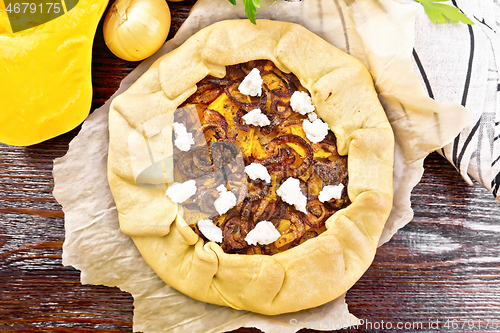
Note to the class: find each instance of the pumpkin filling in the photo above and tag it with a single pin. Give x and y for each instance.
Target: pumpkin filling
(257, 156)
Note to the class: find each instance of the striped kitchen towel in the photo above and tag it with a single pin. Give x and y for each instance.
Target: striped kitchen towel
(460, 63)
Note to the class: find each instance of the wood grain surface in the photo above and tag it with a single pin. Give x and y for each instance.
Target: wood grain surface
(444, 267)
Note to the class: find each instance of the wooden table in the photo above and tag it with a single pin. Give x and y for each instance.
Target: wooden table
(444, 267)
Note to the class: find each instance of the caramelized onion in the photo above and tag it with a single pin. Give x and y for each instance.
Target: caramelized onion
(225, 153)
(265, 210)
(282, 158)
(234, 230)
(239, 122)
(220, 82)
(186, 162)
(275, 122)
(297, 226)
(212, 120)
(206, 200)
(264, 67)
(257, 190)
(201, 159)
(287, 155)
(246, 209)
(309, 234)
(281, 168)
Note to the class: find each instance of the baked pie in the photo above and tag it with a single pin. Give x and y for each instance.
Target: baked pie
(255, 159)
(252, 167)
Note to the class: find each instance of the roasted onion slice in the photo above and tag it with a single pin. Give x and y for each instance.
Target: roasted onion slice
(220, 82)
(281, 108)
(206, 93)
(265, 210)
(225, 153)
(237, 98)
(264, 67)
(202, 160)
(239, 122)
(317, 214)
(281, 147)
(332, 172)
(206, 200)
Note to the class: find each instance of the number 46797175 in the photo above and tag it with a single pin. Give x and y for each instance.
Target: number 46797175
(30, 7)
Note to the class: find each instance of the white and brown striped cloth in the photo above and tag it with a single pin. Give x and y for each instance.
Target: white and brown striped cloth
(460, 63)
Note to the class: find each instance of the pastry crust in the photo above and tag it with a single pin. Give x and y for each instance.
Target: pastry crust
(305, 276)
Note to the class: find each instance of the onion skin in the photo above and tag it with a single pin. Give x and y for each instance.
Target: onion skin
(135, 29)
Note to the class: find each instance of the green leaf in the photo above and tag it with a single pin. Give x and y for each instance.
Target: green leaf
(439, 12)
(251, 9)
(233, 2)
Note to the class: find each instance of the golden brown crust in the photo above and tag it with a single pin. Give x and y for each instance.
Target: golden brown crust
(306, 276)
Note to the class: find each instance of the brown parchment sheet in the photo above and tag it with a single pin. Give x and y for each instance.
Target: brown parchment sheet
(381, 35)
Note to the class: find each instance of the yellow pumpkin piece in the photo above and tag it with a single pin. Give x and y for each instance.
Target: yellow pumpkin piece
(45, 85)
(299, 149)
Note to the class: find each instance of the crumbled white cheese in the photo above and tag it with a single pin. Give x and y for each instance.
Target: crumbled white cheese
(210, 230)
(183, 139)
(225, 201)
(315, 131)
(301, 102)
(290, 192)
(256, 117)
(258, 171)
(330, 192)
(180, 192)
(251, 84)
(264, 233)
(312, 116)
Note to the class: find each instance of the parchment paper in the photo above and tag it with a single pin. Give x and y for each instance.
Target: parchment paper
(380, 34)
